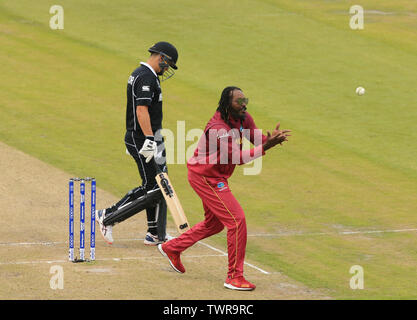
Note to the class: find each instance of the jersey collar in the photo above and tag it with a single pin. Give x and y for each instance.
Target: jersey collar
(153, 71)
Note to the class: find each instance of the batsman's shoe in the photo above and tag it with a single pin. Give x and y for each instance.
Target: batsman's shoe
(106, 231)
(173, 258)
(152, 240)
(239, 283)
(168, 237)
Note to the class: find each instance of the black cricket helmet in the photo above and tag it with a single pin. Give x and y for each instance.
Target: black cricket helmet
(169, 58)
(167, 50)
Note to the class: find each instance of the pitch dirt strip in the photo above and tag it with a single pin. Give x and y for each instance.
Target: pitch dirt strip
(48, 243)
(220, 252)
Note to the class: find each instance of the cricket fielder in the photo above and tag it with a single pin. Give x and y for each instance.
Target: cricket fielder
(218, 151)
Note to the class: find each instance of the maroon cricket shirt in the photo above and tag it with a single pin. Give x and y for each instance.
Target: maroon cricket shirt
(219, 149)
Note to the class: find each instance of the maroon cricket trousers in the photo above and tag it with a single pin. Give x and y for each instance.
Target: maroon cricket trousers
(221, 209)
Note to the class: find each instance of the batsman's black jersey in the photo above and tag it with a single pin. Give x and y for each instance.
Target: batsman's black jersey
(143, 88)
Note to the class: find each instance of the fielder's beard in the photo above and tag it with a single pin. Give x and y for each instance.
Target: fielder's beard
(236, 114)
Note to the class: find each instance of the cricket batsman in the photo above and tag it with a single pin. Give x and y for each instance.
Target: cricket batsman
(143, 127)
(219, 150)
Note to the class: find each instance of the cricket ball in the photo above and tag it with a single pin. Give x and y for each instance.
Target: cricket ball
(360, 91)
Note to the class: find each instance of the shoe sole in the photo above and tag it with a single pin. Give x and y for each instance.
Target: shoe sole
(166, 256)
(232, 287)
(151, 244)
(154, 243)
(102, 235)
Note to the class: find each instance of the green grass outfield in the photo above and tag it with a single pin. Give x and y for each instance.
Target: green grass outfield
(350, 164)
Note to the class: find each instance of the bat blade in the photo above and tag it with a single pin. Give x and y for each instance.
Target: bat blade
(173, 202)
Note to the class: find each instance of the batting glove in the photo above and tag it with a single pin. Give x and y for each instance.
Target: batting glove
(148, 149)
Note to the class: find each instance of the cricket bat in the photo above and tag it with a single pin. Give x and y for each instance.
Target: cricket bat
(172, 200)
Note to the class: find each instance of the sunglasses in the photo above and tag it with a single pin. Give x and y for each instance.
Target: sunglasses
(241, 101)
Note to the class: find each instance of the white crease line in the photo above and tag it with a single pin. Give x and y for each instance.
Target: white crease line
(378, 231)
(286, 234)
(213, 248)
(225, 254)
(52, 243)
(266, 235)
(105, 259)
(221, 253)
(32, 262)
(40, 243)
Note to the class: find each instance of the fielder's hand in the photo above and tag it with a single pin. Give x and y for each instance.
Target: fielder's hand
(148, 149)
(277, 137)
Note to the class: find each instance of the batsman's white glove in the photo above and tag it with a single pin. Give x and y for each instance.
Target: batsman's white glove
(148, 149)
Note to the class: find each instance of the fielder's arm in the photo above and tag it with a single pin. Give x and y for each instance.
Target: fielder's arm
(255, 135)
(228, 151)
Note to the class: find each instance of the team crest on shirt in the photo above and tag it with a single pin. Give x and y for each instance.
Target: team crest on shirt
(146, 88)
(221, 186)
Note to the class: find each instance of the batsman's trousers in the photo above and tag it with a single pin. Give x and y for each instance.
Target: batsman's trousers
(221, 209)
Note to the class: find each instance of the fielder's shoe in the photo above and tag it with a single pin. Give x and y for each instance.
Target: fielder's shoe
(239, 283)
(106, 231)
(173, 258)
(152, 240)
